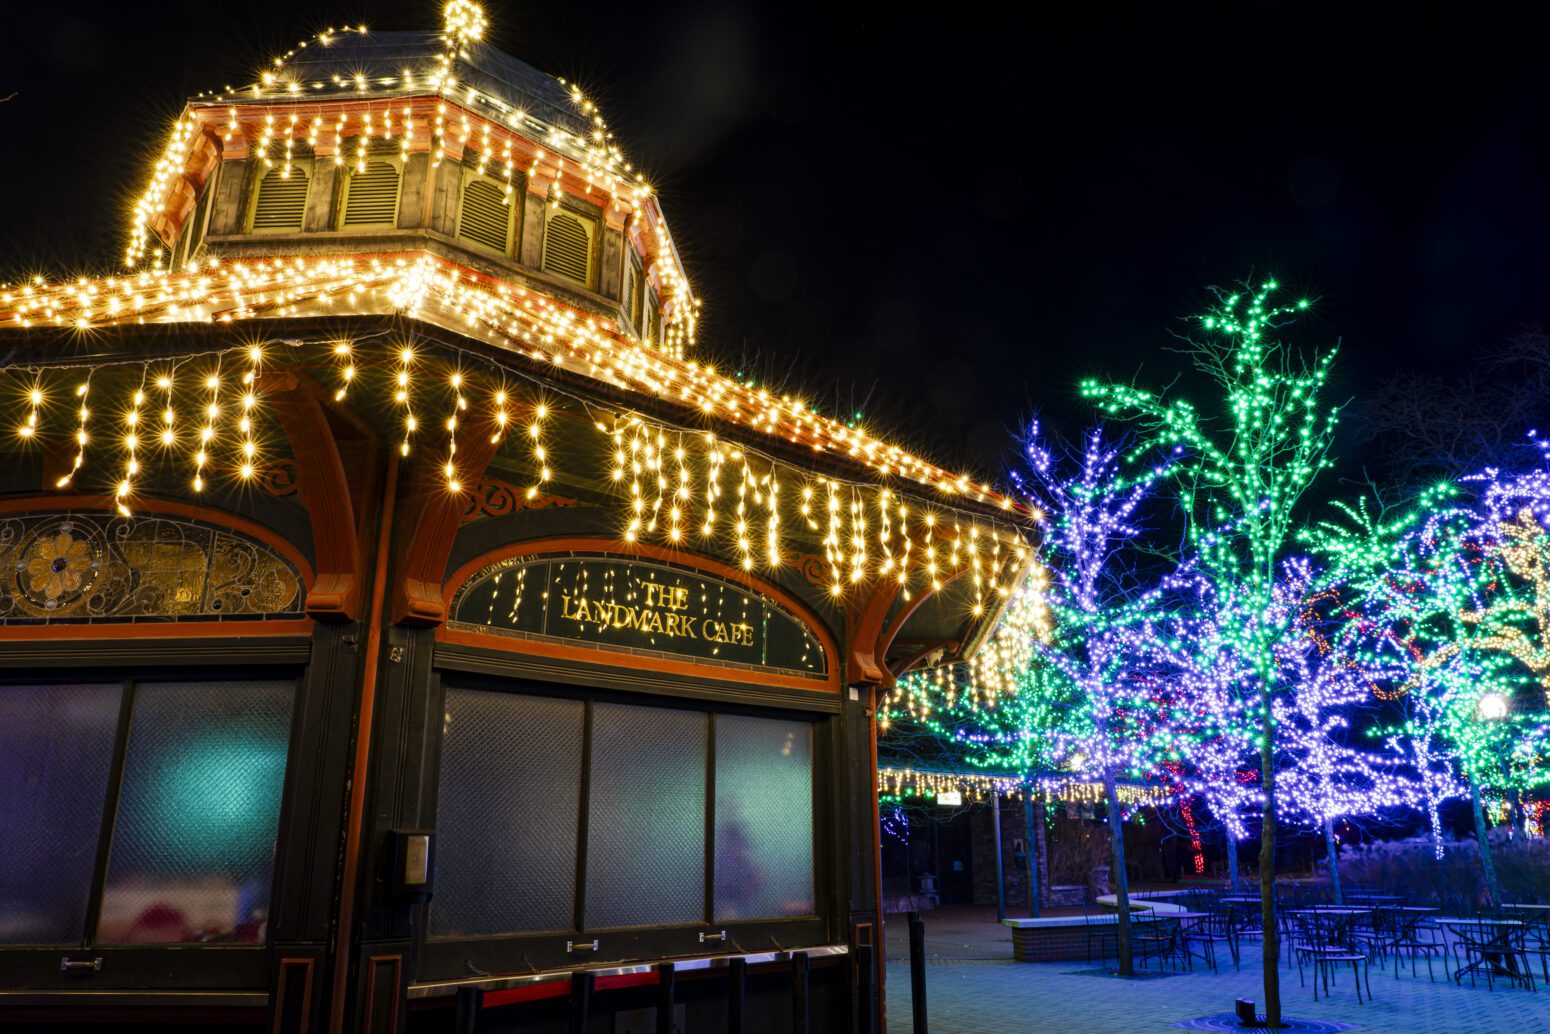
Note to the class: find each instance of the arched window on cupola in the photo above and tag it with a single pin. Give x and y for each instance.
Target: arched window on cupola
(487, 215)
(569, 239)
(280, 200)
(370, 194)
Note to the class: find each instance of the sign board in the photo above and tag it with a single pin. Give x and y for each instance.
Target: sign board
(950, 798)
(616, 602)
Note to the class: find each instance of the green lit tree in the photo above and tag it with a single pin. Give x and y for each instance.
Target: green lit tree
(1452, 594)
(1248, 459)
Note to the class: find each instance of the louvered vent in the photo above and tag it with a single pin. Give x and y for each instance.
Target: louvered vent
(282, 201)
(568, 248)
(486, 218)
(372, 198)
(637, 294)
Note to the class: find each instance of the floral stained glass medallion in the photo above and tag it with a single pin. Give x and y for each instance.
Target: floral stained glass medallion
(58, 566)
(72, 566)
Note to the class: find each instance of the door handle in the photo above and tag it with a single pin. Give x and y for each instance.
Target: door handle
(69, 965)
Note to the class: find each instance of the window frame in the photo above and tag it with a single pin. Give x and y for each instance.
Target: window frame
(445, 957)
(239, 969)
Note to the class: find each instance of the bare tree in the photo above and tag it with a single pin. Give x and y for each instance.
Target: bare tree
(1426, 428)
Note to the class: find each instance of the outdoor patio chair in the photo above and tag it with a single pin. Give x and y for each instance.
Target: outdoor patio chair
(1100, 932)
(1216, 928)
(1324, 942)
(1536, 942)
(1375, 932)
(1420, 937)
(1159, 939)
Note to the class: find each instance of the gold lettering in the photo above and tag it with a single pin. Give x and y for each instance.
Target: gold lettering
(671, 597)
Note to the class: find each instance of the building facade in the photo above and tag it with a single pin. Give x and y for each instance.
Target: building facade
(402, 630)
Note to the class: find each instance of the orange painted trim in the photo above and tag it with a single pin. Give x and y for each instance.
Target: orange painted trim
(306, 967)
(171, 630)
(865, 660)
(355, 817)
(106, 505)
(885, 641)
(325, 492)
(372, 965)
(646, 551)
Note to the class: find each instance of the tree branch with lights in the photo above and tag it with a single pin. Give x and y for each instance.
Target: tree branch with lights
(1245, 467)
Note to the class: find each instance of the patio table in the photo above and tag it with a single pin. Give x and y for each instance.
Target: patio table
(1504, 928)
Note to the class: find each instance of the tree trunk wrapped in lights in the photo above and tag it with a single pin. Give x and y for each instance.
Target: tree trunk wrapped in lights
(1243, 468)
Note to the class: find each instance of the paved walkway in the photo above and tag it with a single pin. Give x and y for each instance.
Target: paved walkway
(973, 987)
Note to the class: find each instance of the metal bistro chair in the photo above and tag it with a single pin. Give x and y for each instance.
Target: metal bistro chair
(1536, 941)
(1100, 932)
(1159, 938)
(1420, 937)
(1375, 932)
(1216, 928)
(1324, 942)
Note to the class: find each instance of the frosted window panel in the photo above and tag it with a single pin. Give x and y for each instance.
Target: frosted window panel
(646, 823)
(56, 756)
(764, 818)
(194, 838)
(506, 814)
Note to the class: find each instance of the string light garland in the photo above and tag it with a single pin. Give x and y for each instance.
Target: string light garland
(897, 783)
(542, 330)
(587, 164)
(878, 533)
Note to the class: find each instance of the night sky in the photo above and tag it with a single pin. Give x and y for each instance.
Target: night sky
(940, 223)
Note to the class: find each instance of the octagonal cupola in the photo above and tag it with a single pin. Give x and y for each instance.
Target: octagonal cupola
(378, 144)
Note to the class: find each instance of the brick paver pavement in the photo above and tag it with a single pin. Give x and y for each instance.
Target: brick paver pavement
(973, 987)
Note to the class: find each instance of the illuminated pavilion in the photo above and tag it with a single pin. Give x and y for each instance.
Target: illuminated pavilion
(404, 629)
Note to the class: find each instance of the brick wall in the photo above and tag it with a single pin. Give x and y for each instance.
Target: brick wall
(984, 854)
(1054, 944)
